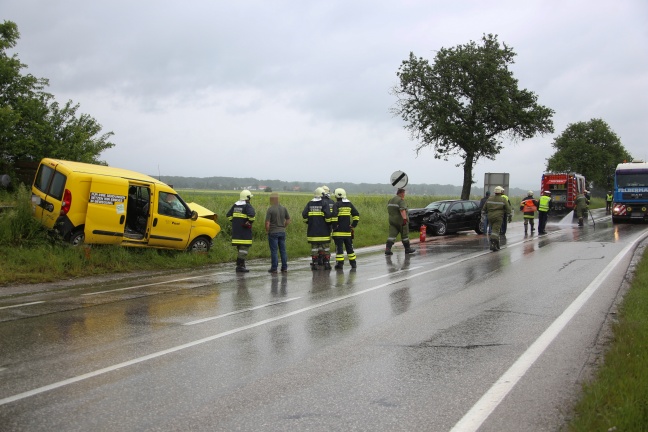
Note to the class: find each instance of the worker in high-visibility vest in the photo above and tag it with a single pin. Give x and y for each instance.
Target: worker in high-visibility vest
(608, 202)
(529, 206)
(545, 204)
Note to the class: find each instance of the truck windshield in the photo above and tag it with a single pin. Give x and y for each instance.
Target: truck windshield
(633, 179)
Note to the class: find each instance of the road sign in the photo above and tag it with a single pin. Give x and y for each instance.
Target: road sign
(398, 179)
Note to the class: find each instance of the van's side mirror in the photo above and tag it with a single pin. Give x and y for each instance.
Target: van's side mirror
(194, 215)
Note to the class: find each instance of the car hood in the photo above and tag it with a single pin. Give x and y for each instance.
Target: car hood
(203, 212)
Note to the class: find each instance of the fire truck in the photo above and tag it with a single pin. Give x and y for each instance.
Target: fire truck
(564, 188)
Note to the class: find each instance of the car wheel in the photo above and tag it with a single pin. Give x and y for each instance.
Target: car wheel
(199, 244)
(479, 229)
(77, 238)
(441, 228)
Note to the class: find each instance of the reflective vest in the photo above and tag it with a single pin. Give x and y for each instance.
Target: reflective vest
(544, 203)
(529, 206)
(608, 198)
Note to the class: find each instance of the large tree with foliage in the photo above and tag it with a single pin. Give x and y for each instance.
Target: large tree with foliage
(589, 148)
(32, 124)
(466, 102)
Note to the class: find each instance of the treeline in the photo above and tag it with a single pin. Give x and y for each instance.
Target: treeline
(232, 183)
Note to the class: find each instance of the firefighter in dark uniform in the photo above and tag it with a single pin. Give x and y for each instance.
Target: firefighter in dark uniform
(242, 215)
(327, 201)
(608, 201)
(529, 206)
(317, 215)
(497, 208)
(344, 223)
(398, 222)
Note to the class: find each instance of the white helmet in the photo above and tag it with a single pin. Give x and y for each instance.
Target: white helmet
(326, 191)
(340, 193)
(530, 193)
(245, 195)
(499, 189)
(318, 192)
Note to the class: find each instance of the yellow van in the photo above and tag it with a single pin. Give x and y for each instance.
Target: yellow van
(97, 204)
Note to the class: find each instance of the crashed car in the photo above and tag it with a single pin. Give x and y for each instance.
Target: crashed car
(448, 216)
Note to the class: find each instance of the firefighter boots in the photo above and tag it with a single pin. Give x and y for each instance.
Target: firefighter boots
(408, 249)
(314, 265)
(353, 264)
(240, 266)
(339, 265)
(388, 247)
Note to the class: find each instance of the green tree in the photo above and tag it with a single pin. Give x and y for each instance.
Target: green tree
(32, 124)
(591, 149)
(466, 102)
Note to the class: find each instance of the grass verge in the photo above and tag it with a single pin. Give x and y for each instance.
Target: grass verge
(617, 400)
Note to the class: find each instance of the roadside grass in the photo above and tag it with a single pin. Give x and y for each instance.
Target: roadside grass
(29, 254)
(617, 400)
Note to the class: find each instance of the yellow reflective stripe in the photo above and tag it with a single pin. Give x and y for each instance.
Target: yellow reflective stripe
(344, 211)
(241, 242)
(316, 213)
(356, 218)
(341, 234)
(318, 239)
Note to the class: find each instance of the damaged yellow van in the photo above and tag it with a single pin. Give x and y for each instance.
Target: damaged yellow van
(97, 204)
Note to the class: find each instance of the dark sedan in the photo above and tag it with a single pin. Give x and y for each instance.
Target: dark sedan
(444, 217)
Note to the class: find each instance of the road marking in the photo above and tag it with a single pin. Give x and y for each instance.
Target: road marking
(22, 304)
(485, 406)
(394, 273)
(151, 284)
(239, 311)
(177, 348)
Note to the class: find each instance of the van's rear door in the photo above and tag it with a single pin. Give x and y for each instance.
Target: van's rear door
(47, 193)
(106, 217)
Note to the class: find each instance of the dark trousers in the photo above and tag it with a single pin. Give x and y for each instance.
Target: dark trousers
(542, 221)
(342, 243)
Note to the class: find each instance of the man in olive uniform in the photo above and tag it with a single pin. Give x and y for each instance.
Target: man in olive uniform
(497, 208)
(398, 222)
(581, 207)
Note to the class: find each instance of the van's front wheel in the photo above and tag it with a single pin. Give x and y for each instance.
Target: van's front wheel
(200, 244)
(77, 238)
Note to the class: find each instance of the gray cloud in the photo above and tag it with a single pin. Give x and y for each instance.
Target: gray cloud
(301, 89)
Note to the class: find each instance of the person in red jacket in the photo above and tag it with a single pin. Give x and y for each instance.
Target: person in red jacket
(529, 206)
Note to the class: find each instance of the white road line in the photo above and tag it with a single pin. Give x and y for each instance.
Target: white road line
(476, 416)
(239, 311)
(22, 304)
(394, 273)
(154, 355)
(150, 284)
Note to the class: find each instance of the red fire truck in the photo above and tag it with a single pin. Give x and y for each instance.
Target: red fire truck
(564, 188)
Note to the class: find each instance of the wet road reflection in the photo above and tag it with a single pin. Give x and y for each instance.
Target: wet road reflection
(424, 319)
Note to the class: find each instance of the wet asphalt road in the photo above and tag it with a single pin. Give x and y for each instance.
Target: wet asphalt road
(403, 343)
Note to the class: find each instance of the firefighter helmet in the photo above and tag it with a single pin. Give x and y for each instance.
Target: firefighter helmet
(245, 195)
(340, 193)
(499, 189)
(547, 192)
(318, 192)
(530, 193)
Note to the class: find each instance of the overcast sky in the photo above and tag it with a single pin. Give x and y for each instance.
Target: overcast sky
(300, 90)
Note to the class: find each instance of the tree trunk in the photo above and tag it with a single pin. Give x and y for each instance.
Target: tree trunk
(467, 180)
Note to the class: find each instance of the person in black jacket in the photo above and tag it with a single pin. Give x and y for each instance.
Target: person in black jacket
(344, 222)
(317, 215)
(242, 215)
